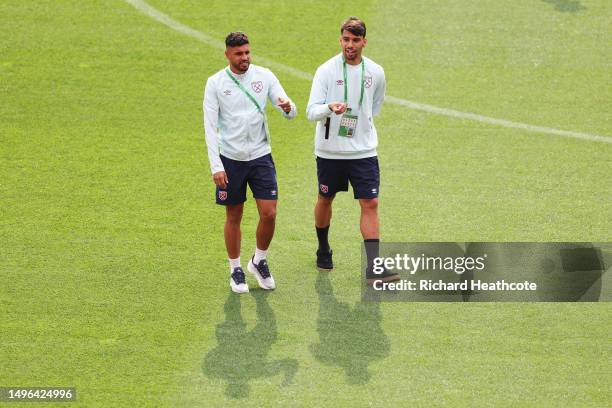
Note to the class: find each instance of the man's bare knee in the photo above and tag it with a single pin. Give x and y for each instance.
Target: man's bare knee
(327, 201)
(234, 213)
(268, 214)
(370, 204)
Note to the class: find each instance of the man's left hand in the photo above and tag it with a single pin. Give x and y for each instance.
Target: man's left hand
(285, 105)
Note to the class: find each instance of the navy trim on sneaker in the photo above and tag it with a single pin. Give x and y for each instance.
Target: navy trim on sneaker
(262, 268)
(238, 276)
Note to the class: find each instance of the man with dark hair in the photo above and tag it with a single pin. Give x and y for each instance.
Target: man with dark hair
(239, 152)
(236, 39)
(347, 92)
(354, 26)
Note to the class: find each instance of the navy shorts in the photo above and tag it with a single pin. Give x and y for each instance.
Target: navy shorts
(334, 175)
(259, 174)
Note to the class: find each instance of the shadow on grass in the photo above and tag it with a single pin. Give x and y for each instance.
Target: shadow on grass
(566, 6)
(242, 355)
(350, 338)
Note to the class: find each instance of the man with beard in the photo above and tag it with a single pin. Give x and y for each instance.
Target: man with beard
(239, 152)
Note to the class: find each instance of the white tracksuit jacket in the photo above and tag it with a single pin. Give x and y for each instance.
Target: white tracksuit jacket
(327, 87)
(233, 125)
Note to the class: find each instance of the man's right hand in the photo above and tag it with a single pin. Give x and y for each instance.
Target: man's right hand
(337, 107)
(220, 179)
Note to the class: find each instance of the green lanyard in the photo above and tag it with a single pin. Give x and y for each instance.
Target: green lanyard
(244, 90)
(346, 81)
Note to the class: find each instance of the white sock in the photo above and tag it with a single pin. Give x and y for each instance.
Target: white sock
(259, 255)
(234, 263)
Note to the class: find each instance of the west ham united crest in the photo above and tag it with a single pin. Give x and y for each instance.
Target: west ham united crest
(222, 195)
(257, 86)
(368, 81)
(324, 188)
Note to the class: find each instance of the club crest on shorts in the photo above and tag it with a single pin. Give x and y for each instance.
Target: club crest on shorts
(222, 195)
(257, 86)
(368, 81)
(324, 188)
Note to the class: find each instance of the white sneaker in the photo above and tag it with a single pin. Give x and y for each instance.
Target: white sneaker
(262, 274)
(238, 281)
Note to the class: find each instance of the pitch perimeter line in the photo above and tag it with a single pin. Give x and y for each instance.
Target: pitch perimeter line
(168, 21)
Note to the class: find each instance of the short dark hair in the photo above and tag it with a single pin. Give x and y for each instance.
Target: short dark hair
(236, 39)
(354, 26)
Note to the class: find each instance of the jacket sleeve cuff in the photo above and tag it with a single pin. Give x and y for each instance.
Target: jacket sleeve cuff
(319, 112)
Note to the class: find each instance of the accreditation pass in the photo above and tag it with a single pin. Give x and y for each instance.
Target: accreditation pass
(348, 124)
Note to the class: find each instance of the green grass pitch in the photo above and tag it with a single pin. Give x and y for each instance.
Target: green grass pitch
(114, 273)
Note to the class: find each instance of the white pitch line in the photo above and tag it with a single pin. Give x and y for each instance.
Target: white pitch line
(165, 19)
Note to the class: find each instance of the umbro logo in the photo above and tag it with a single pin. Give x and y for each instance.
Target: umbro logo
(374, 191)
(227, 92)
(273, 192)
(340, 82)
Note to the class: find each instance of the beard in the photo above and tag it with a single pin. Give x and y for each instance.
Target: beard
(242, 66)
